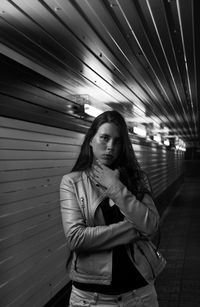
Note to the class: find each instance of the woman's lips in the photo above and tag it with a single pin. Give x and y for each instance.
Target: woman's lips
(107, 157)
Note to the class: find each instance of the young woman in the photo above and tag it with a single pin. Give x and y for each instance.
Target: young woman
(106, 207)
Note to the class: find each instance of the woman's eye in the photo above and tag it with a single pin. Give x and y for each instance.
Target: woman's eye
(104, 137)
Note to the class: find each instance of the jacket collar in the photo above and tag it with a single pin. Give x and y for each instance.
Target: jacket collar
(95, 194)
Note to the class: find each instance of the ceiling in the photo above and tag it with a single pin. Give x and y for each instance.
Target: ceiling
(140, 57)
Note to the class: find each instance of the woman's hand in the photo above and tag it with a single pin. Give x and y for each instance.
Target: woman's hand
(103, 175)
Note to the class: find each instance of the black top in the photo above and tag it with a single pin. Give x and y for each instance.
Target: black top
(125, 276)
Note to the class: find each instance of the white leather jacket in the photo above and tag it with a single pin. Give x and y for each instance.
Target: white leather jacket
(90, 240)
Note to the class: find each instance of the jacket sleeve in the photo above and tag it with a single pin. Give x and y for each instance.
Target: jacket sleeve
(81, 237)
(142, 214)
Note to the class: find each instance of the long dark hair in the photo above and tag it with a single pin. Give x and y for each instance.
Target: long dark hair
(131, 173)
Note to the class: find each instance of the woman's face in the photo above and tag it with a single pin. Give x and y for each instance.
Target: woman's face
(106, 144)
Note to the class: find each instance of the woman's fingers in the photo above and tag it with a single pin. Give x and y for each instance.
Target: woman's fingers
(97, 169)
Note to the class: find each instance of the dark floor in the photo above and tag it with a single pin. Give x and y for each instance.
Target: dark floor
(179, 284)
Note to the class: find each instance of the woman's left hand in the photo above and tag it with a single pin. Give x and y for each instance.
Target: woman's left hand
(104, 176)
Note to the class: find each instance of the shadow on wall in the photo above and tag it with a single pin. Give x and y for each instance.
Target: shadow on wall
(192, 153)
(192, 168)
(192, 162)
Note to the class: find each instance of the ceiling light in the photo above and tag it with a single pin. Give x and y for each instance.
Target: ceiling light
(92, 111)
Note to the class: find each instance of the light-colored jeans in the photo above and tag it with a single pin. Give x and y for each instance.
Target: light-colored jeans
(142, 297)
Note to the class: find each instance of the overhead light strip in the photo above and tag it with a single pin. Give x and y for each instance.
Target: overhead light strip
(164, 53)
(185, 60)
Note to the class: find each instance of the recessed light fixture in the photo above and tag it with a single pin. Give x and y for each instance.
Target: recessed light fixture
(92, 111)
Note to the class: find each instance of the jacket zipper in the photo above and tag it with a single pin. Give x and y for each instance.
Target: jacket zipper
(83, 208)
(84, 217)
(141, 250)
(75, 262)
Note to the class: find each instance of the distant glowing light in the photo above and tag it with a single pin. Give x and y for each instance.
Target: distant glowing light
(166, 142)
(157, 138)
(180, 145)
(140, 131)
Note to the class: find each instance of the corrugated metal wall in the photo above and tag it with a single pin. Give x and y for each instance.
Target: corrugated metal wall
(162, 166)
(33, 254)
(33, 158)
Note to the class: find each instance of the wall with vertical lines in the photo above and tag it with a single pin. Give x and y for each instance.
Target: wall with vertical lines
(33, 158)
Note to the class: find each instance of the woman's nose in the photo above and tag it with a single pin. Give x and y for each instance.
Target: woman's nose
(110, 144)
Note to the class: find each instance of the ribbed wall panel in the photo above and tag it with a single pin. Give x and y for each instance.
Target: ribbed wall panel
(33, 158)
(162, 166)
